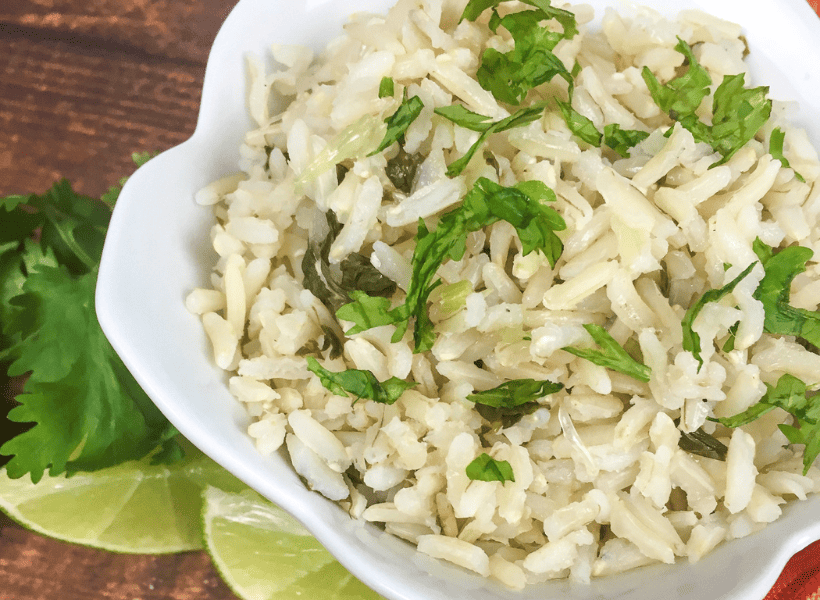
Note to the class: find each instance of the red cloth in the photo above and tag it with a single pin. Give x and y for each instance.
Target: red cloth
(800, 579)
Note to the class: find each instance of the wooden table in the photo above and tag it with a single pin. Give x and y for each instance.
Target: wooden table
(84, 84)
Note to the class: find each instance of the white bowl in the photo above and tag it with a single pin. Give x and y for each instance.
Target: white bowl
(158, 249)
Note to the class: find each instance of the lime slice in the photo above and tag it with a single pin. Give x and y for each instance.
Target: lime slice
(263, 553)
(134, 507)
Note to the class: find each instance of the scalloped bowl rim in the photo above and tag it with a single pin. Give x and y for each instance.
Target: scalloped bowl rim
(140, 306)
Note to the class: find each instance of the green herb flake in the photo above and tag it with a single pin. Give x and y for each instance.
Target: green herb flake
(691, 340)
(486, 468)
(515, 393)
(790, 394)
(399, 121)
(507, 404)
(776, 150)
(611, 355)
(334, 284)
(365, 312)
(738, 112)
(475, 122)
(682, 95)
(622, 140)
(701, 443)
(386, 87)
(510, 76)
(362, 384)
(579, 125)
(774, 292)
(486, 203)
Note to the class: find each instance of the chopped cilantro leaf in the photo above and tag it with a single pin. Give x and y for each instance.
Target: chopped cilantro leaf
(774, 291)
(362, 384)
(399, 121)
(486, 203)
(475, 122)
(531, 62)
(682, 95)
(515, 393)
(738, 112)
(580, 126)
(776, 150)
(612, 355)
(366, 312)
(789, 394)
(691, 340)
(701, 443)
(333, 284)
(620, 140)
(386, 87)
(486, 468)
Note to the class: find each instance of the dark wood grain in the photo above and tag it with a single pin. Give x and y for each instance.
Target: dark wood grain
(83, 84)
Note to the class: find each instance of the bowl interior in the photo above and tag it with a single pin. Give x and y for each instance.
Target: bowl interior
(158, 249)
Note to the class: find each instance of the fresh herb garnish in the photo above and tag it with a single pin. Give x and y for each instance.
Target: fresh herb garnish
(620, 140)
(362, 384)
(401, 169)
(789, 394)
(366, 312)
(531, 62)
(776, 150)
(774, 291)
(611, 355)
(88, 411)
(486, 203)
(691, 340)
(505, 405)
(399, 121)
(475, 122)
(386, 87)
(333, 284)
(701, 443)
(515, 393)
(680, 97)
(486, 468)
(737, 112)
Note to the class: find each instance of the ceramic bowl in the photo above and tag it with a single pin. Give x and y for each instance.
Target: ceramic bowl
(158, 249)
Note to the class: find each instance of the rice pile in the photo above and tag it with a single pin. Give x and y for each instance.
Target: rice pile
(601, 482)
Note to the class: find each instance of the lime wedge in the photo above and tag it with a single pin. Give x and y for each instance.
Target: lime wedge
(132, 508)
(263, 553)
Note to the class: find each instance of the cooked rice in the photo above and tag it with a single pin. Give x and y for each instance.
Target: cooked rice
(601, 484)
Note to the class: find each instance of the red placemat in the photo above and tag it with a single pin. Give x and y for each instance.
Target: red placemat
(800, 579)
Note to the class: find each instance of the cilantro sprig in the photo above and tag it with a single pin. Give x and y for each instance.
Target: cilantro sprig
(87, 411)
(511, 75)
(362, 384)
(611, 355)
(523, 206)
